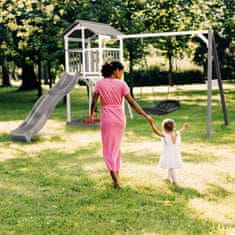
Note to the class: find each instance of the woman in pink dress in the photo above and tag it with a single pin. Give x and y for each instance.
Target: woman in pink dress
(111, 90)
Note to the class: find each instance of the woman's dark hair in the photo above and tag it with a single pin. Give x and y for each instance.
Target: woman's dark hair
(108, 68)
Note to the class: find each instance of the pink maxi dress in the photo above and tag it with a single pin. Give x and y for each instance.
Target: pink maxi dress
(113, 119)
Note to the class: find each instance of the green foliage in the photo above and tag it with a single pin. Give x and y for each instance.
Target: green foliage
(31, 29)
(223, 22)
(156, 77)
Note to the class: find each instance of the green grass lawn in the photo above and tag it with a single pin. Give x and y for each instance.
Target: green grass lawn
(58, 183)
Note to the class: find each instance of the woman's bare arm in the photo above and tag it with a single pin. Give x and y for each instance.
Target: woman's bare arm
(93, 104)
(138, 109)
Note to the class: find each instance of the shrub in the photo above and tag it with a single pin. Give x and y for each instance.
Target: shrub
(155, 77)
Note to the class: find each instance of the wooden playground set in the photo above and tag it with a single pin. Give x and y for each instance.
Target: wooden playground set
(88, 45)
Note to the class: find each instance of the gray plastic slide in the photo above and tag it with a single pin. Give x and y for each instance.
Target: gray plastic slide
(43, 108)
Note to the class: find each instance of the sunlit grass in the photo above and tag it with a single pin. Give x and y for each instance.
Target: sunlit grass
(58, 183)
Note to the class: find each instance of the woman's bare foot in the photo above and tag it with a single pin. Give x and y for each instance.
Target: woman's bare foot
(116, 181)
(117, 186)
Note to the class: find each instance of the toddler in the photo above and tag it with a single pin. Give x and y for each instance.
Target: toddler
(170, 155)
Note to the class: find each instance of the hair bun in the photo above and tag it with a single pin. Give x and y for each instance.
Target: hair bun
(109, 67)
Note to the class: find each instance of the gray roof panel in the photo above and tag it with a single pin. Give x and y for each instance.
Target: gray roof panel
(92, 28)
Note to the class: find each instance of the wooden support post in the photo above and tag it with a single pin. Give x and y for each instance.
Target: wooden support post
(84, 66)
(220, 84)
(122, 61)
(209, 83)
(67, 69)
(89, 54)
(83, 54)
(90, 84)
(100, 41)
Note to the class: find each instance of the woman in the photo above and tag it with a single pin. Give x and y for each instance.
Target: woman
(111, 90)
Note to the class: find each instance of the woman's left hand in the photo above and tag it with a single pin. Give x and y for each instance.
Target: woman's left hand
(93, 117)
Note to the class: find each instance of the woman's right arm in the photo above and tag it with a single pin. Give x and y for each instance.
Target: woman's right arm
(138, 109)
(93, 105)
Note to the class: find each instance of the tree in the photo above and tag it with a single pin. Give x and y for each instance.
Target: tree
(4, 38)
(222, 21)
(173, 16)
(34, 26)
(128, 18)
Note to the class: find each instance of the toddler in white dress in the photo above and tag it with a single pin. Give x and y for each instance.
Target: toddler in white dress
(170, 155)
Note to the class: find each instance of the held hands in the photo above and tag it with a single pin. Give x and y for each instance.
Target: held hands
(152, 124)
(156, 131)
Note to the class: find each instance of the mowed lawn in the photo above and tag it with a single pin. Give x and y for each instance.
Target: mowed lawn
(58, 183)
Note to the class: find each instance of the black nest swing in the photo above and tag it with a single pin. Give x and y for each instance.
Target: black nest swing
(163, 107)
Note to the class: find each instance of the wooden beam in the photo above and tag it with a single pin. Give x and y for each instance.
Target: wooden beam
(164, 34)
(209, 84)
(220, 84)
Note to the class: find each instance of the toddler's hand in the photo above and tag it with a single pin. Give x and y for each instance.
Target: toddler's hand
(186, 125)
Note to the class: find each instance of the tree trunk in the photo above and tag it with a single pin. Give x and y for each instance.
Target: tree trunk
(39, 77)
(49, 73)
(50, 77)
(45, 73)
(13, 73)
(170, 61)
(5, 72)
(29, 81)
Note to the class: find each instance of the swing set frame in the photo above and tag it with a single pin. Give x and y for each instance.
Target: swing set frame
(211, 57)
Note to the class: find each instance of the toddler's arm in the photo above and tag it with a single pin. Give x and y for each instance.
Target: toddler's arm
(184, 127)
(156, 131)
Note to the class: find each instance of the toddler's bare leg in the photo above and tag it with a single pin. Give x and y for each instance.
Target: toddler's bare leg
(172, 174)
(169, 175)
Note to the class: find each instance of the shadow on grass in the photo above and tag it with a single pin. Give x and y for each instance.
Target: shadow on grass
(186, 193)
(217, 192)
(148, 158)
(199, 157)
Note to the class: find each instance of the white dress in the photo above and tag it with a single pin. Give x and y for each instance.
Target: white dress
(170, 155)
